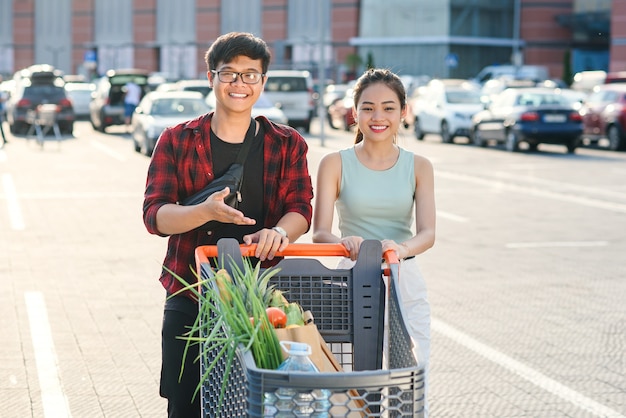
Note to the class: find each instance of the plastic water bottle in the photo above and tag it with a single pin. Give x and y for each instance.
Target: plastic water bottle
(289, 402)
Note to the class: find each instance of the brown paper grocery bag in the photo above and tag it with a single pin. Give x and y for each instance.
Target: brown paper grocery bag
(324, 360)
(321, 355)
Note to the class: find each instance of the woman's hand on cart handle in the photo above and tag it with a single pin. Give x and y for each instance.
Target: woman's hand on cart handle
(391, 256)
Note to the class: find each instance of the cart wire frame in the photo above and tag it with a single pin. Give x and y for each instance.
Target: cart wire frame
(348, 307)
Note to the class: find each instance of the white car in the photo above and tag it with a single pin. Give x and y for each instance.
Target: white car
(292, 92)
(446, 108)
(159, 110)
(80, 95)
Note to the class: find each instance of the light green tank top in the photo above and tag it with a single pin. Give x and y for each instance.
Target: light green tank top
(376, 204)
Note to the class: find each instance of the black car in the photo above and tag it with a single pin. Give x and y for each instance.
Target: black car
(34, 86)
(530, 115)
(107, 107)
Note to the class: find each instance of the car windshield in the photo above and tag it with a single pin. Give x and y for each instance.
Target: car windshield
(534, 99)
(49, 92)
(463, 97)
(122, 79)
(278, 83)
(178, 107)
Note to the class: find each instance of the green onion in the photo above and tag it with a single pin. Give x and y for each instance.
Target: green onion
(233, 315)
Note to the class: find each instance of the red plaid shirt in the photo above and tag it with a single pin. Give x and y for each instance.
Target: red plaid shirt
(181, 165)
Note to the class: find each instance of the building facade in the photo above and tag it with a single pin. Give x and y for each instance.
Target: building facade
(443, 38)
(91, 36)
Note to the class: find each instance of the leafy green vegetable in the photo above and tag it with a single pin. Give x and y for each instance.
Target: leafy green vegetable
(227, 305)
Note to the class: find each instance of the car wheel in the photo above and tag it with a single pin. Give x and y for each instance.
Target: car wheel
(136, 144)
(572, 145)
(148, 148)
(102, 126)
(615, 138)
(446, 136)
(419, 134)
(477, 138)
(67, 128)
(512, 143)
(330, 121)
(346, 125)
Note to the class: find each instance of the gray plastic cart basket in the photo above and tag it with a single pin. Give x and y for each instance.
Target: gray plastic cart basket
(348, 308)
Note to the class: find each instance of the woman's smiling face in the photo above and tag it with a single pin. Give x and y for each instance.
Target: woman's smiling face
(379, 111)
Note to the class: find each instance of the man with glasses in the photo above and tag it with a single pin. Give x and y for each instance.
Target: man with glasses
(275, 209)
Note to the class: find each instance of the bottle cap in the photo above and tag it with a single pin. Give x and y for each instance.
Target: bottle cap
(296, 347)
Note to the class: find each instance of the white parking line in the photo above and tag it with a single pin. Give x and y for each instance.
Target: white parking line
(533, 376)
(107, 150)
(553, 244)
(53, 398)
(451, 216)
(535, 191)
(13, 206)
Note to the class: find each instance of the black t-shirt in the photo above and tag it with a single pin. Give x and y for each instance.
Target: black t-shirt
(224, 154)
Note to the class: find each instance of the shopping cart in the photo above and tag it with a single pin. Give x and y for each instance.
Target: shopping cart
(348, 306)
(42, 119)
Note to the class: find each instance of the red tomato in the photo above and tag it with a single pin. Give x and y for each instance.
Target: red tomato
(277, 317)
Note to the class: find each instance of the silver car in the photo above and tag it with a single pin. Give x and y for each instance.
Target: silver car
(80, 95)
(158, 110)
(292, 91)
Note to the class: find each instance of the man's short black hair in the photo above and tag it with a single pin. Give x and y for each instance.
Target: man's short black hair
(234, 44)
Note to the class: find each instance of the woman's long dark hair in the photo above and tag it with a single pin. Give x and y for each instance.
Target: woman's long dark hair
(373, 76)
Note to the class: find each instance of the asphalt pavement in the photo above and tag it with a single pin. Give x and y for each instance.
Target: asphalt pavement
(526, 280)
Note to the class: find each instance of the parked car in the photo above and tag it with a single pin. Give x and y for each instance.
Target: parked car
(340, 112)
(445, 108)
(586, 80)
(263, 106)
(615, 77)
(158, 110)
(604, 116)
(492, 88)
(528, 72)
(80, 95)
(34, 86)
(532, 115)
(107, 107)
(200, 85)
(332, 93)
(292, 92)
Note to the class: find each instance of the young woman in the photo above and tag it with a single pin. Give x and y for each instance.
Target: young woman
(380, 190)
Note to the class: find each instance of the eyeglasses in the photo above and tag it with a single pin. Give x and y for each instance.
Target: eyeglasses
(231, 76)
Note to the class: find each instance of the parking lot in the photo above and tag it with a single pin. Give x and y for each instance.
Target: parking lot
(526, 280)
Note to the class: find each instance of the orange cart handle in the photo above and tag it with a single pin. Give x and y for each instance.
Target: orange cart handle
(204, 252)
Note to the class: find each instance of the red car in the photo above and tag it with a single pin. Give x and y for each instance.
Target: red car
(604, 115)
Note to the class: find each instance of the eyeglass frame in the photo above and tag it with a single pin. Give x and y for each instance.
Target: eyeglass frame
(238, 75)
